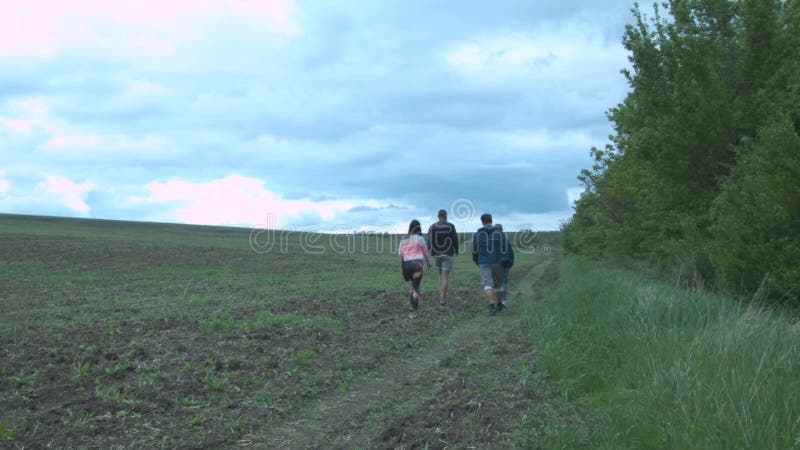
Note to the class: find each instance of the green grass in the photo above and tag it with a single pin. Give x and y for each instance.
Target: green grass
(653, 366)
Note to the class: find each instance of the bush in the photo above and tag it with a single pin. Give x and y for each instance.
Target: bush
(755, 243)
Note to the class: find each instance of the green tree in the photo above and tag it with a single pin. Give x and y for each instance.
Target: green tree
(705, 81)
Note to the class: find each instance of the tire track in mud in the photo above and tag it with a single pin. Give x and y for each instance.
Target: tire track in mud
(409, 379)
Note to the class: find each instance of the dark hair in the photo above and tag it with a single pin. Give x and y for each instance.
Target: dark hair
(414, 227)
(442, 214)
(486, 218)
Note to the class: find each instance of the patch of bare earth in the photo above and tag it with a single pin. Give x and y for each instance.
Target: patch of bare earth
(462, 390)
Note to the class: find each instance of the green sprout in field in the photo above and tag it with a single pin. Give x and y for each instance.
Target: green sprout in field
(7, 430)
(23, 379)
(81, 368)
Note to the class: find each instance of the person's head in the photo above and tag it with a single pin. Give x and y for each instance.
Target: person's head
(486, 219)
(442, 215)
(499, 226)
(414, 227)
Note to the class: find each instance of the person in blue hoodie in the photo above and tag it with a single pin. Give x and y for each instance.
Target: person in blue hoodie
(491, 251)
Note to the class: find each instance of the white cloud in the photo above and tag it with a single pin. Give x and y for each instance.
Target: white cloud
(574, 194)
(26, 114)
(142, 89)
(560, 55)
(237, 200)
(547, 221)
(87, 145)
(17, 126)
(502, 57)
(45, 27)
(66, 192)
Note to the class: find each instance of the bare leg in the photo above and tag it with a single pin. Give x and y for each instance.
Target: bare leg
(444, 276)
(440, 283)
(415, 295)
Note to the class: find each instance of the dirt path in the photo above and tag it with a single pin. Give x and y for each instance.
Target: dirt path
(436, 390)
(401, 376)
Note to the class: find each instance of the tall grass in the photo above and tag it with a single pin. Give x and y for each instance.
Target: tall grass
(654, 366)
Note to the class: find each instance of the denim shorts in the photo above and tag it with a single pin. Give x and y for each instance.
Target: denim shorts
(492, 276)
(444, 262)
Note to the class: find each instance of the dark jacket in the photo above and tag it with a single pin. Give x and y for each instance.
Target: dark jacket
(490, 246)
(443, 239)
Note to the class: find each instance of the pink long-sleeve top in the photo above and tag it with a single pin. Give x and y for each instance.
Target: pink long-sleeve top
(413, 247)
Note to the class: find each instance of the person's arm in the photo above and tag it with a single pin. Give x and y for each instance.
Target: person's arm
(430, 237)
(508, 253)
(454, 237)
(475, 247)
(424, 246)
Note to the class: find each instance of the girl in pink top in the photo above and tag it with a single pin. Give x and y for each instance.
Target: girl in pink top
(413, 250)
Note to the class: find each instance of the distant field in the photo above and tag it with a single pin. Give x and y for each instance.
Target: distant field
(139, 335)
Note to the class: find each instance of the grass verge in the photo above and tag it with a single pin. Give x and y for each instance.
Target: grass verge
(653, 366)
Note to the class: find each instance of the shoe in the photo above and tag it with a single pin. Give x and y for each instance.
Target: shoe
(493, 309)
(443, 303)
(504, 305)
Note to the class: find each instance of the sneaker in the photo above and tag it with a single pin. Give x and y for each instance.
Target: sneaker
(493, 309)
(443, 303)
(504, 305)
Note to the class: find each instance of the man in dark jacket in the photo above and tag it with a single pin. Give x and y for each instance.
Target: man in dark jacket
(491, 251)
(443, 245)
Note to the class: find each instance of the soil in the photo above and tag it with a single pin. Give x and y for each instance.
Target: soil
(433, 392)
(143, 337)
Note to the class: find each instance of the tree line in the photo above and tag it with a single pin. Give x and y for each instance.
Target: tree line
(701, 177)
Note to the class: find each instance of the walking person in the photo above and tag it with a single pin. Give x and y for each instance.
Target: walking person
(443, 244)
(489, 249)
(413, 251)
(507, 263)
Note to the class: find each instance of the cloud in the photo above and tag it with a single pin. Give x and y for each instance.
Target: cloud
(44, 27)
(66, 192)
(328, 113)
(19, 126)
(237, 200)
(87, 145)
(574, 194)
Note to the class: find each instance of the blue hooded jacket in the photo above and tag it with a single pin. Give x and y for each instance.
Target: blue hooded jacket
(490, 246)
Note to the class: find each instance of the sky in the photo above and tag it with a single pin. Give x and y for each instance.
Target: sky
(306, 115)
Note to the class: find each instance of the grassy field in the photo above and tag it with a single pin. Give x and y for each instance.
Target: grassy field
(650, 365)
(137, 335)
